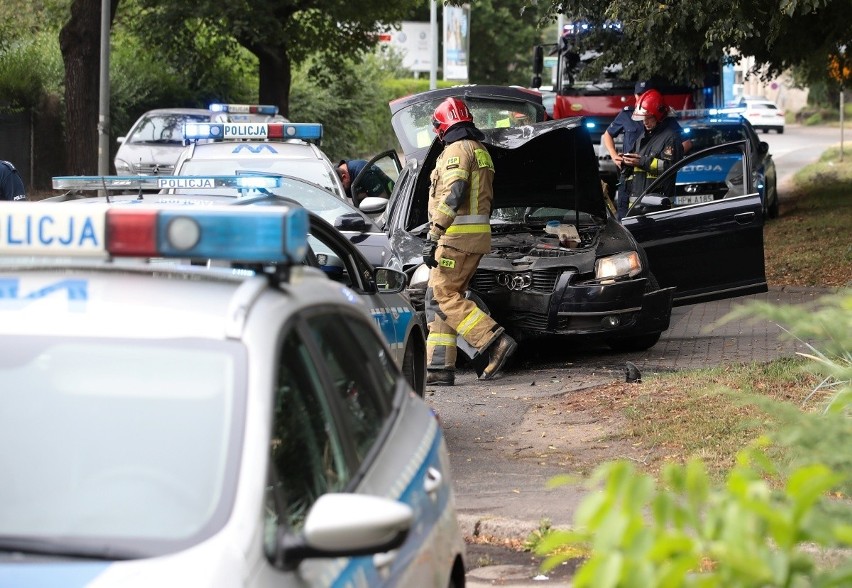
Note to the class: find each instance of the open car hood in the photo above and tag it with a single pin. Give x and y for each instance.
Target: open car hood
(549, 164)
(491, 107)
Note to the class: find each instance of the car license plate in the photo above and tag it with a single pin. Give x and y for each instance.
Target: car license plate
(693, 199)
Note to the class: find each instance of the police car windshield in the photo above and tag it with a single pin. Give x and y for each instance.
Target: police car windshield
(312, 170)
(311, 196)
(163, 128)
(140, 432)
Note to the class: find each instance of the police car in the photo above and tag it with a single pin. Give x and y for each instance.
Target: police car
(282, 148)
(370, 269)
(171, 425)
(246, 113)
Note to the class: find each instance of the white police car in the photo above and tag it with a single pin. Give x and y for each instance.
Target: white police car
(343, 242)
(170, 425)
(247, 112)
(281, 148)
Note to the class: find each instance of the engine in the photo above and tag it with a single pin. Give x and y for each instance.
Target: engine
(525, 244)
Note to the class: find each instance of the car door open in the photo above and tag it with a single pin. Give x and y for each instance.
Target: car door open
(711, 248)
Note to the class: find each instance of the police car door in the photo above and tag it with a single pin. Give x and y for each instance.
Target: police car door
(388, 162)
(342, 262)
(710, 249)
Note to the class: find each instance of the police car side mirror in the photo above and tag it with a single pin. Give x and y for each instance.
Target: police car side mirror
(120, 140)
(346, 525)
(373, 204)
(390, 281)
(351, 221)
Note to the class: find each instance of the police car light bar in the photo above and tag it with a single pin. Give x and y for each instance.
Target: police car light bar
(245, 108)
(257, 131)
(704, 112)
(128, 183)
(270, 235)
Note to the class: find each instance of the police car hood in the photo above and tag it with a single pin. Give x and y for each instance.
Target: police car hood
(150, 153)
(550, 163)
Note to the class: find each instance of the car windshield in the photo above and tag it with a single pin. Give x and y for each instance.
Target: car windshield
(312, 170)
(163, 128)
(703, 137)
(117, 447)
(414, 124)
(312, 197)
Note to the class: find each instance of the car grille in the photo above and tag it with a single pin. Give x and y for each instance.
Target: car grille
(540, 280)
(534, 321)
(150, 169)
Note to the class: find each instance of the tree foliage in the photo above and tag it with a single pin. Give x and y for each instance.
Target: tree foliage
(676, 37)
(279, 33)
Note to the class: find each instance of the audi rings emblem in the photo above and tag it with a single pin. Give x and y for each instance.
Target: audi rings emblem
(515, 281)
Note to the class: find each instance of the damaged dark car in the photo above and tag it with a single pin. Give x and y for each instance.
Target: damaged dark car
(560, 263)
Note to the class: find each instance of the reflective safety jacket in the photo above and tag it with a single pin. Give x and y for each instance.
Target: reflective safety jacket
(658, 150)
(460, 197)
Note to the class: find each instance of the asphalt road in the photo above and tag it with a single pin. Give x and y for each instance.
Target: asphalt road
(494, 429)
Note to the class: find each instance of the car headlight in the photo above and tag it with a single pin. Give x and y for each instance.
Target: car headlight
(620, 265)
(420, 277)
(123, 168)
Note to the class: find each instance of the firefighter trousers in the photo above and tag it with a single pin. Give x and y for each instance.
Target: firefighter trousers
(449, 313)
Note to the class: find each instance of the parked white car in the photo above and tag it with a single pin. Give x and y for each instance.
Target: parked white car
(764, 115)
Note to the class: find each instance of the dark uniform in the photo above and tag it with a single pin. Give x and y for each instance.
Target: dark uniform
(11, 185)
(633, 131)
(661, 147)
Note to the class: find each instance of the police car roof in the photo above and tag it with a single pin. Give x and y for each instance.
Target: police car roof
(149, 301)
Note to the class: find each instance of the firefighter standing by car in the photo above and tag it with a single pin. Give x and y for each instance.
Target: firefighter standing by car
(659, 148)
(633, 131)
(459, 235)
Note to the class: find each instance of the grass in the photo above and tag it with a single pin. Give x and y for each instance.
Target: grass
(712, 413)
(810, 244)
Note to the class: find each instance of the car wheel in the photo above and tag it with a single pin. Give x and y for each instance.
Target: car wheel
(772, 210)
(414, 367)
(637, 343)
(780, 130)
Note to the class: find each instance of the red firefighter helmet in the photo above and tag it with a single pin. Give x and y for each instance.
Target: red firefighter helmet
(448, 113)
(650, 104)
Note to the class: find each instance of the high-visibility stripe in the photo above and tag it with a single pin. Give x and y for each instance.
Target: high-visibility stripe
(466, 229)
(470, 321)
(472, 219)
(449, 176)
(443, 208)
(441, 339)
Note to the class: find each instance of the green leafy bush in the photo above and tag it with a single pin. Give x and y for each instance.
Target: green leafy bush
(30, 69)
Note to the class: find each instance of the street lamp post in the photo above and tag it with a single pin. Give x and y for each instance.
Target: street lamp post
(103, 102)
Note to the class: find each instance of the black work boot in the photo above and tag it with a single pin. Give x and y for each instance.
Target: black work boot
(440, 377)
(500, 350)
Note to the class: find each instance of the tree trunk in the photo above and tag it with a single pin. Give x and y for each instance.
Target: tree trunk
(80, 43)
(274, 74)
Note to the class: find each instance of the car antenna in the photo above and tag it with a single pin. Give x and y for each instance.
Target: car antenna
(106, 192)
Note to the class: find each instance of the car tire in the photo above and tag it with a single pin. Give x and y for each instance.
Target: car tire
(773, 208)
(780, 131)
(637, 343)
(414, 366)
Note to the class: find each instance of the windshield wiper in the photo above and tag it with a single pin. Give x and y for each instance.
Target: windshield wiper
(75, 549)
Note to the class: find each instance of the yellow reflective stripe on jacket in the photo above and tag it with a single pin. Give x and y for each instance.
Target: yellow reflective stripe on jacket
(441, 340)
(655, 166)
(453, 229)
(470, 223)
(442, 207)
(470, 321)
(451, 175)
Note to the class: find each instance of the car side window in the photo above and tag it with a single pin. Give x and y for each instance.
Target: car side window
(307, 456)
(363, 372)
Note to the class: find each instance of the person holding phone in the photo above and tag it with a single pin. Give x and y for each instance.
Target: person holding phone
(660, 147)
(633, 131)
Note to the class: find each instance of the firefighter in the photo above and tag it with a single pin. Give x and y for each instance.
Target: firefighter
(659, 148)
(459, 235)
(633, 131)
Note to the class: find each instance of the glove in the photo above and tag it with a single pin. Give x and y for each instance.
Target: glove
(429, 253)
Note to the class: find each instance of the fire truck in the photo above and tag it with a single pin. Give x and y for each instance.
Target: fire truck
(579, 90)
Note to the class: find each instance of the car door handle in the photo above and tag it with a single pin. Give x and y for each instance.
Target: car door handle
(383, 561)
(433, 481)
(744, 218)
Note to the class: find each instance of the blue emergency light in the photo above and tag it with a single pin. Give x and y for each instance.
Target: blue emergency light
(253, 235)
(256, 131)
(245, 108)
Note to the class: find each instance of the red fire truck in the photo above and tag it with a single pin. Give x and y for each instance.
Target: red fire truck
(600, 96)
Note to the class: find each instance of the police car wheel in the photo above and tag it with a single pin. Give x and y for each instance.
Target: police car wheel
(414, 367)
